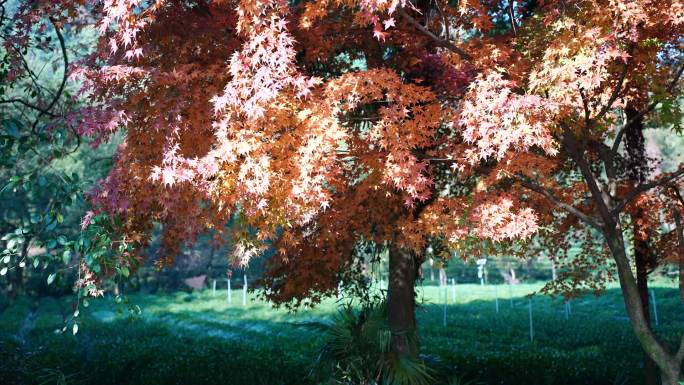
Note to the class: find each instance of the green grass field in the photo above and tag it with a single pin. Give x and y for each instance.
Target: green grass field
(199, 338)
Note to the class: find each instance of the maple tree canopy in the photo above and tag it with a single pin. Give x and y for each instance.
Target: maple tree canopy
(311, 127)
(317, 124)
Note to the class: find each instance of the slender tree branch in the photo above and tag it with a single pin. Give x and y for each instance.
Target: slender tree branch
(444, 20)
(511, 14)
(441, 42)
(65, 76)
(29, 105)
(585, 104)
(616, 92)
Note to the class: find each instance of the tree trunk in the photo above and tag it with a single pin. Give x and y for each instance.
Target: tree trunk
(671, 375)
(401, 302)
(16, 278)
(637, 171)
(668, 364)
(643, 264)
(679, 228)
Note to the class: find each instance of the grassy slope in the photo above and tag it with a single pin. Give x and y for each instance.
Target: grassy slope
(201, 339)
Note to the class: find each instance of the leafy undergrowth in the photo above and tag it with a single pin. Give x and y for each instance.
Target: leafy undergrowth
(198, 338)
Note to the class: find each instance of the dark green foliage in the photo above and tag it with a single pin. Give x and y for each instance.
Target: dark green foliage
(357, 350)
(200, 339)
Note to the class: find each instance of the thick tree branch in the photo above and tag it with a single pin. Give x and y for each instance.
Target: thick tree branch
(643, 187)
(441, 42)
(679, 229)
(642, 113)
(577, 154)
(680, 352)
(553, 199)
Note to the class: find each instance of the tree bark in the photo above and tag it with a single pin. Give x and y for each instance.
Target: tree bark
(401, 302)
(679, 228)
(668, 364)
(643, 265)
(637, 171)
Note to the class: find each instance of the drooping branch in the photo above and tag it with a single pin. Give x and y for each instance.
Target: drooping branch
(441, 42)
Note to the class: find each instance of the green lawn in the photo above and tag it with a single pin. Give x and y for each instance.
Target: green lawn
(199, 338)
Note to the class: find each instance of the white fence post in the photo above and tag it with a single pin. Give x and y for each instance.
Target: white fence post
(213, 288)
(244, 291)
(496, 294)
(230, 293)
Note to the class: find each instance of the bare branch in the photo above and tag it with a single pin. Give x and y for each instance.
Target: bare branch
(29, 105)
(616, 92)
(511, 14)
(65, 76)
(441, 42)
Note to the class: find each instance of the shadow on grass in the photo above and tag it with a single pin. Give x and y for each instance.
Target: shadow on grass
(199, 339)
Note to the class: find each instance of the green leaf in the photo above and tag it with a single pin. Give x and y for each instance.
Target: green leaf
(35, 218)
(51, 226)
(66, 256)
(51, 278)
(11, 244)
(62, 240)
(125, 272)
